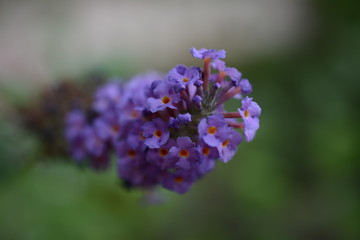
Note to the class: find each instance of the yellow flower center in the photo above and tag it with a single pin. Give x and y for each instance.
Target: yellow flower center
(246, 113)
(185, 80)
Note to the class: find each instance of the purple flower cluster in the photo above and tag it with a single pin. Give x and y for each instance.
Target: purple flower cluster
(166, 130)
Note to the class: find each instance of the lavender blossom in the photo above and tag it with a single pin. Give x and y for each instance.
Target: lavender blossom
(183, 75)
(179, 181)
(160, 156)
(245, 86)
(166, 130)
(208, 157)
(185, 153)
(165, 97)
(212, 129)
(133, 169)
(207, 53)
(75, 125)
(173, 122)
(250, 112)
(155, 133)
(232, 73)
(107, 97)
(229, 145)
(184, 118)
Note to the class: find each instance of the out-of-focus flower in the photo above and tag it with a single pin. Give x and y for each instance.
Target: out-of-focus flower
(44, 116)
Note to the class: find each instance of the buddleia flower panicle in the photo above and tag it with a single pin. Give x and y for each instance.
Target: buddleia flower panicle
(169, 129)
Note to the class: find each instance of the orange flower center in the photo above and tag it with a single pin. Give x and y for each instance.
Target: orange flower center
(225, 143)
(115, 128)
(185, 80)
(179, 179)
(246, 113)
(222, 74)
(158, 133)
(163, 152)
(134, 114)
(184, 153)
(131, 153)
(212, 130)
(166, 100)
(206, 151)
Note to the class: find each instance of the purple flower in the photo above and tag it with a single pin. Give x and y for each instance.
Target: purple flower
(166, 130)
(208, 157)
(173, 122)
(198, 83)
(178, 181)
(74, 128)
(130, 113)
(184, 118)
(93, 143)
(185, 78)
(159, 156)
(245, 86)
(232, 73)
(165, 97)
(107, 127)
(207, 53)
(250, 111)
(96, 149)
(186, 153)
(75, 121)
(128, 154)
(107, 97)
(217, 85)
(212, 129)
(183, 75)
(135, 90)
(197, 99)
(156, 133)
(178, 87)
(134, 134)
(150, 89)
(229, 145)
(132, 167)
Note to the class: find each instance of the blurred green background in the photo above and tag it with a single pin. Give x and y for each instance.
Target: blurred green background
(299, 178)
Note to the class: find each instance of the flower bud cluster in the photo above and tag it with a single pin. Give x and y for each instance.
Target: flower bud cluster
(166, 130)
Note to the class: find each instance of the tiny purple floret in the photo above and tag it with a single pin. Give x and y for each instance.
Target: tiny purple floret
(207, 53)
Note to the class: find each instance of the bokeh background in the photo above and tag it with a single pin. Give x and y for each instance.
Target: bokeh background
(299, 178)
